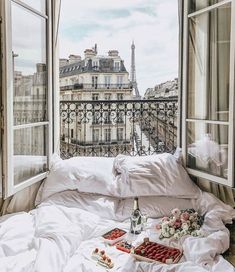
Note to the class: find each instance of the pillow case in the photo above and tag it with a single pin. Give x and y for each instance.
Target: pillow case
(155, 175)
(85, 174)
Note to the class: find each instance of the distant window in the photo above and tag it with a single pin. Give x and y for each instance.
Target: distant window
(107, 96)
(107, 81)
(119, 81)
(120, 134)
(107, 119)
(95, 96)
(94, 80)
(119, 96)
(37, 92)
(95, 63)
(117, 66)
(107, 134)
(95, 135)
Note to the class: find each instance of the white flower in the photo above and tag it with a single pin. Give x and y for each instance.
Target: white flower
(194, 233)
(200, 233)
(165, 226)
(194, 225)
(166, 234)
(172, 222)
(191, 218)
(177, 235)
(172, 231)
(185, 226)
(184, 232)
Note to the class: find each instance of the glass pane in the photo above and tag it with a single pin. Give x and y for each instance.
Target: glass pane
(30, 70)
(208, 74)
(195, 5)
(36, 4)
(207, 148)
(30, 150)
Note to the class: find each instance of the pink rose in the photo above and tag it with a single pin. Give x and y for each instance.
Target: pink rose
(184, 216)
(176, 213)
(165, 219)
(177, 223)
(158, 226)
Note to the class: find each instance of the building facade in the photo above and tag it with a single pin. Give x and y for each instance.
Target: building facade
(166, 120)
(100, 85)
(168, 89)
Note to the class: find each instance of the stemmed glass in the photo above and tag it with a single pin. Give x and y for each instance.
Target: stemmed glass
(144, 219)
(135, 217)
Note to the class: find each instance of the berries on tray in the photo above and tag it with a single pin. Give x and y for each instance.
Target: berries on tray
(157, 252)
(124, 246)
(114, 234)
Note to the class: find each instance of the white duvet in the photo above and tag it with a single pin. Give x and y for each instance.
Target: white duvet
(60, 234)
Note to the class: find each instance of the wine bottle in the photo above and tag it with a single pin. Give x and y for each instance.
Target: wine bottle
(136, 218)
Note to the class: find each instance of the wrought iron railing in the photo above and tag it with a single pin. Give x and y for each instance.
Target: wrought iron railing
(147, 127)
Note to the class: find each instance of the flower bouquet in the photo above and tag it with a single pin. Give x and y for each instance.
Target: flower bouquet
(180, 223)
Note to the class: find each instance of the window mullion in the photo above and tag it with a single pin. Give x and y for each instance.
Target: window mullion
(232, 99)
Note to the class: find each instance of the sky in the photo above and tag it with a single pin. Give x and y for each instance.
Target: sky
(113, 24)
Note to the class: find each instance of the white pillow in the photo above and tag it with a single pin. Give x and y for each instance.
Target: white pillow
(156, 175)
(85, 174)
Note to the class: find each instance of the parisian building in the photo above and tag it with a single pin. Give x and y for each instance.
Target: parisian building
(98, 127)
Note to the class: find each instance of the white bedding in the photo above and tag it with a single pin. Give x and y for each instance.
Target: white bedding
(61, 233)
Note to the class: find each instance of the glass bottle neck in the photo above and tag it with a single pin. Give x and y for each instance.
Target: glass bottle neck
(136, 204)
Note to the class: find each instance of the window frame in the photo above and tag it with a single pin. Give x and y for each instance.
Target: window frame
(9, 188)
(229, 181)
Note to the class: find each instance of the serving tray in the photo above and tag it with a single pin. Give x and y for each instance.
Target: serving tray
(154, 252)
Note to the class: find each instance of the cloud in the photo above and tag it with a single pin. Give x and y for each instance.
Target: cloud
(152, 24)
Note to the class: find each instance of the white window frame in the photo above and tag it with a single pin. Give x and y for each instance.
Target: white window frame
(107, 80)
(9, 188)
(117, 66)
(231, 123)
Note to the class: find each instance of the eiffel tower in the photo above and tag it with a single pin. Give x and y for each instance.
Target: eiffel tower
(133, 72)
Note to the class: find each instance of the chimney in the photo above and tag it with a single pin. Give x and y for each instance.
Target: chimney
(89, 53)
(113, 53)
(74, 58)
(41, 67)
(63, 62)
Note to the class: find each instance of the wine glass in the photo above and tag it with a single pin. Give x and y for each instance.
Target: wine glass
(135, 217)
(144, 219)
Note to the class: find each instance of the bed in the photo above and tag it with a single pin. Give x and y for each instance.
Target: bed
(83, 198)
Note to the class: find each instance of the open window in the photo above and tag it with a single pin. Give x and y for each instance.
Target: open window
(208, 89)
(27, 100)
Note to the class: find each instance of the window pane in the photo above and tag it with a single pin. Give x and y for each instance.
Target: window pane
(207, 148)
(195, 5)
(29, 62)
(30, 150)
(36, 4)
(209, 55)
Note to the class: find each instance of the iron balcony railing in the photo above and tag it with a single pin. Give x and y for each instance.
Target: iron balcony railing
(79, 86)
(146, 127)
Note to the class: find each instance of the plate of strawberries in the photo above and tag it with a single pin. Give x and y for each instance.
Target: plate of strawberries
(156, 252)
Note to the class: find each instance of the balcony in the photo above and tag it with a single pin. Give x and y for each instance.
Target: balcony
(80, 86)
(135, 127)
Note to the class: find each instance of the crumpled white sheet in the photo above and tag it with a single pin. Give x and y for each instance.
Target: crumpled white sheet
(61, 233)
